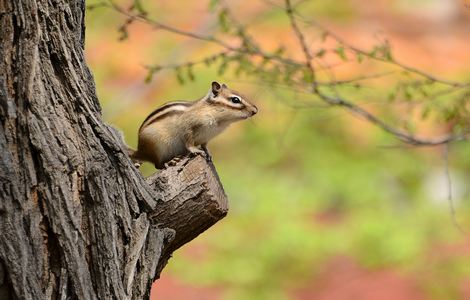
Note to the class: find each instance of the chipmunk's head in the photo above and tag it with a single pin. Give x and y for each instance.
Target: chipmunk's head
(229, 104)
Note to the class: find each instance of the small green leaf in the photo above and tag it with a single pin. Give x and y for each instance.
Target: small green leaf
(279, 51)
(208, 61)
(264, 63)
(425, 112)
(386, 51)
(179, 76)
(190, 73)
(307, 76)
(373, 53)
(223, 67)
(149, 76)
(223, 20)
(151, 73)
(341, 53)
(139, 7)
(450, 113)
(320, 53)
(408, 94)
(388, 55)
(359, 57)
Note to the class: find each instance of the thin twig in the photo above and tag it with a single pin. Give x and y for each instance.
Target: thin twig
(158, 25)
(449, 188)
(385, 60)
(247, 39)
(303, 43)
(211, 39)
(355, 79)
(340, 40)
(187, 63)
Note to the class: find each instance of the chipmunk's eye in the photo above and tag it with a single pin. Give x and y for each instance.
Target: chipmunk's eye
(235, 99)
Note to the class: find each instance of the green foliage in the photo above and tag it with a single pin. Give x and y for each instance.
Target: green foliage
(382, 51)
(223, 20)
(341, 53)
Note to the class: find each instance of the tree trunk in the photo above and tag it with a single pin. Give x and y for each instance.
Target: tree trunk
(77, 220)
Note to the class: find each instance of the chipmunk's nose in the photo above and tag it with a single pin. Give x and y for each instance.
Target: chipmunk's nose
(254, 111)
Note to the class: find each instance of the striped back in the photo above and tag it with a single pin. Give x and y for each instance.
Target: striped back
(168, 109)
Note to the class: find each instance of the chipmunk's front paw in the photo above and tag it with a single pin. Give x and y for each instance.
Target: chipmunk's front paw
(173, 162)
(193, 151)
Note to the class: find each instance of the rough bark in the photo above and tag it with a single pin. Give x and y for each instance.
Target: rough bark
(77, 220)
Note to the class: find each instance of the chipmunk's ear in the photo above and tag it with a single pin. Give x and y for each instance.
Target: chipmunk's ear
(224, 86)
(216, 88)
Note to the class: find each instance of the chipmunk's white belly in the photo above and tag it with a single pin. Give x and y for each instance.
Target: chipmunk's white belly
(206, 131)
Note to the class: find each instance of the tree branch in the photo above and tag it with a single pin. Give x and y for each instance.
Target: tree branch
(450, 199)
(355, 49)
(401, 135)
(211, 39)
(193, 199)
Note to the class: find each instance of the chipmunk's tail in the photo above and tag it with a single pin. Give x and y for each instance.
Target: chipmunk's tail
(134, 155)
(131, 152)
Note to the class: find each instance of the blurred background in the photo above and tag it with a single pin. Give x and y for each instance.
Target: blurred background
(321, 207)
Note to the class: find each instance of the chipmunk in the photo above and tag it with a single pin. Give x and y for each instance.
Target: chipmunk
(178, 128)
